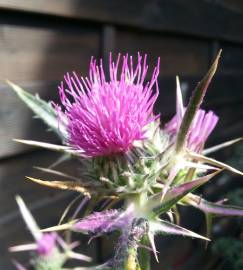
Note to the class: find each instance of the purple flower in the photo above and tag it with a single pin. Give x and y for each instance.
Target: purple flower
(46, 244)
(202, 126)
(104, 222)
(104, 117)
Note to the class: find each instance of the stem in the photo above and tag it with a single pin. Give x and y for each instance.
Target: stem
(144, 255)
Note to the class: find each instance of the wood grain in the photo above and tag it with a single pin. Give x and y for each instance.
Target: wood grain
(232, 59)
(178, 55)
(178, 16)
(33, 52)
(37, 57)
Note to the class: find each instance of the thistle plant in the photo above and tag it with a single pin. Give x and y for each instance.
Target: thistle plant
(50, 251)
(126, 158)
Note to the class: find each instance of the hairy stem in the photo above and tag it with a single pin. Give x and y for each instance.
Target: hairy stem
(144, 255)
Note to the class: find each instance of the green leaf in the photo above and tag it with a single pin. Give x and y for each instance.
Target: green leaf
(166, 227)
(175, 194)
(41, 108)
(213, 208)
(194, 104)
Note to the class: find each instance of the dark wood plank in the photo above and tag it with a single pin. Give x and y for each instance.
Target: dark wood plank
(179, 16)
(33, 52)
(232, 59)
(178, 55)
(234, 5)
(36, 57)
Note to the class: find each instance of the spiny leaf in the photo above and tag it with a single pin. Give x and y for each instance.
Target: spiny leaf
(194, 104)
(64, 185)
(54, 147)
(213, 162)
(41, 108)
(66, 210)
(221, 146)
(28, 218)
(199, 166)
(213, 208)
(166, 227)
(18, 265)
(77, 256)
(60, 227)
(152, 244)
(64, 157)
(55, 172)
(176, 193)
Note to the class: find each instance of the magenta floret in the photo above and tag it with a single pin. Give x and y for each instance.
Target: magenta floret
(105, 117)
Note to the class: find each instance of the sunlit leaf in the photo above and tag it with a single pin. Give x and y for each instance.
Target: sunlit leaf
(213, 162)
(49, 146)
(176, 193)
(41, 108)
(64, 185)
(58, 173)
(152, 244)
(214, 208)
(165, 227)
(221, 146)
(194, 104)
(28, 218)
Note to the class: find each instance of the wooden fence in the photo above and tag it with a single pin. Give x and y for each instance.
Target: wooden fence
(41, 40)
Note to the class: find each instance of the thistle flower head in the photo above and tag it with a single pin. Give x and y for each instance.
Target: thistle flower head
(105, 116)
(51, 252)
(46, 244)
(202, 126)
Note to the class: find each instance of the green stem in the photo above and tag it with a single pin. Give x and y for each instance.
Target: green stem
(144, 255)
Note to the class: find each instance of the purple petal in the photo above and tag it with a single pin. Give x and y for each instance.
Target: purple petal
(46, 244)
(106, 116)
(202, 126)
